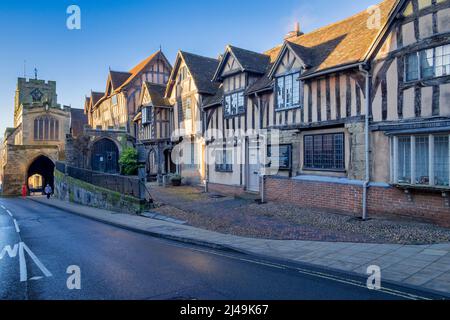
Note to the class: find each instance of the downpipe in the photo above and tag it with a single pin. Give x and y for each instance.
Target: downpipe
(366, 184)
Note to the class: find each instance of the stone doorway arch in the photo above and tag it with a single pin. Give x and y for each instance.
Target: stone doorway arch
(44, 167)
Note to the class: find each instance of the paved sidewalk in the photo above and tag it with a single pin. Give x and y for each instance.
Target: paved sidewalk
(426, 266)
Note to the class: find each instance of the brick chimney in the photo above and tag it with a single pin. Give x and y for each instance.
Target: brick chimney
(296, 33)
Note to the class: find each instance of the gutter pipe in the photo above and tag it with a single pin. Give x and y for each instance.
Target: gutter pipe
(366, 185)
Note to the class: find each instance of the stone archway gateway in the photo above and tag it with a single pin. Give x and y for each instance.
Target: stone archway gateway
(44, 167)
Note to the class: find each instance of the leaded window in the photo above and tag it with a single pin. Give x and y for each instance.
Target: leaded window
(324, 152)
(234, 104)
(429, 63)
(288, 91)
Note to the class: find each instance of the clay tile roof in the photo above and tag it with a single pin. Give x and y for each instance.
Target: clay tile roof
(341, 43)
(250, 60)
(202, 70)
(138, 68)
(156, 92)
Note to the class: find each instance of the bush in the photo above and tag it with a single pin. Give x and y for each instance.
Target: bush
(129, 162)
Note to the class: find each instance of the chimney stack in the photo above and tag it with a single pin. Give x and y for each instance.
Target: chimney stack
(296, 33)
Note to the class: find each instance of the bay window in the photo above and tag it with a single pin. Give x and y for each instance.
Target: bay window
(146, 115)
(288, 91)
(421, 160)
(427, 64)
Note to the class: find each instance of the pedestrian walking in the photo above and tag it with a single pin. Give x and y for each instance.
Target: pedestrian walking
(48, 191)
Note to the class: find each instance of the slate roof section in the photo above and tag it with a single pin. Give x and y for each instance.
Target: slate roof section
(215, 100)
(156, 92)
(251, 61)
(118, 78)
(96, 96)
(202, 70)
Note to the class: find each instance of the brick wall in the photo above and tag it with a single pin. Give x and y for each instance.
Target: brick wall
(347, 198)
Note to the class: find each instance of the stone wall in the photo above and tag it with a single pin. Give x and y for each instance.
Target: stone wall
(18, 161)
(77, 191)
(432, 207)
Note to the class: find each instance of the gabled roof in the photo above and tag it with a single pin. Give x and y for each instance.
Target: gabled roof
(342, 43)
(201, 69)
(156, 93)
(143, 64)
(95, 98)
(87, 102)
(118, 78)
(249, 61)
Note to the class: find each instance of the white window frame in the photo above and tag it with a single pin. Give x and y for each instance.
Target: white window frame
(419, 64)
(431, 161)
(282, 93)
(237, 99)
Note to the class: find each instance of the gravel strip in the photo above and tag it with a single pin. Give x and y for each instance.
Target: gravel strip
(244, 217)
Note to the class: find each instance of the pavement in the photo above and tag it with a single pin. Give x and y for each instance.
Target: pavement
(423, 267)
(48, 253)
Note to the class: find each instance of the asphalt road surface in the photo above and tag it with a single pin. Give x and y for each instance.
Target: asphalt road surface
(38, 244)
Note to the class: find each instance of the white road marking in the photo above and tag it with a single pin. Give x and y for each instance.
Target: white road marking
(17, 226)
(10, 214)
(36, 260)
(22, 264)
(3, 207)
(356, 283)
(21, 248)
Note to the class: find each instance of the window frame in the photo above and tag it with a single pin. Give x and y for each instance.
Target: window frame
(224, 167)
(431, 161)
(46, 128)
(239, 109)
(313, 167)
(419, 53)
(295, 76)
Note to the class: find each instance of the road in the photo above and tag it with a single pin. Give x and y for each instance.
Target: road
(119, 264)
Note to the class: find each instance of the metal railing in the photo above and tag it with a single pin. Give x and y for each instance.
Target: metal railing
(122, 184)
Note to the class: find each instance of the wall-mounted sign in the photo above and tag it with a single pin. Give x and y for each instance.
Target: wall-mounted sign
(280, 156)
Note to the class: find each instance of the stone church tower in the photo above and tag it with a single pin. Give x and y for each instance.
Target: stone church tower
(37, 140)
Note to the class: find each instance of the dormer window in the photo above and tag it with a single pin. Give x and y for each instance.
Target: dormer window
(288, 91)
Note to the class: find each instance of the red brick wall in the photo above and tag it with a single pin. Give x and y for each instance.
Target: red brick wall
(226, 189)
(425, 206)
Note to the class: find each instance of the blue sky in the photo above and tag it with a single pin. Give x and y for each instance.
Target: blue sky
(119, 34)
